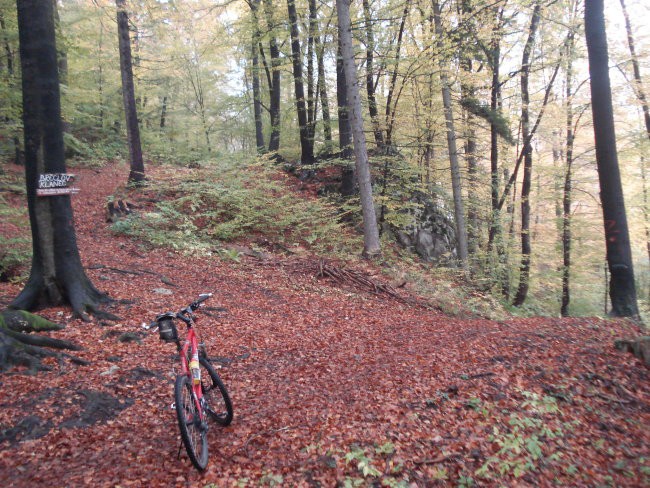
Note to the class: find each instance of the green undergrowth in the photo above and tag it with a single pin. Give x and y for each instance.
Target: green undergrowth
(15, 250)
(227, 201)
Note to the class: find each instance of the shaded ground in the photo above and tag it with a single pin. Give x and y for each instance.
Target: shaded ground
(329, 385)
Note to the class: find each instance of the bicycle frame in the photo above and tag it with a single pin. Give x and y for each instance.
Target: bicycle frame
(190, 345)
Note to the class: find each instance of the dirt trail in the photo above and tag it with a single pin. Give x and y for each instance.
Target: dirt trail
(317, 372)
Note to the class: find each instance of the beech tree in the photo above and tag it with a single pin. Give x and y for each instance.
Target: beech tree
(622, 289)
(57, 275)
(136, 175)
(371, 246)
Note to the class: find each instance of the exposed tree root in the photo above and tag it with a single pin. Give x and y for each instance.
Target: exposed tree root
(78, 291)
(18, 347)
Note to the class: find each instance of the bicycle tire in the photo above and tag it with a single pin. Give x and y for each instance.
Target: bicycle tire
(218, 403)
(193, 434)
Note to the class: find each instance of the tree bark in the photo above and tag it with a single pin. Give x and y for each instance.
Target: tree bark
(274, 85)
(257, 91)
(391, 107)
(370, 231)
(524, 269)
(322, 87)
(459, 211)
(306, 141)
(638, 81)
(566, 197)
(622, 289)
(57, 276)
(345, 132)
(136, 174)
(370, 76)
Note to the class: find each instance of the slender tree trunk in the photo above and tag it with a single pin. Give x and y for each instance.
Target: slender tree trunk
(468, 93)
(524, 269)
(390, 106)
(495, 104)
(257, 91)
(100, 76)
(312, 92)
(370, 76)
(345, 132)
(163, 112)
(274, 86)
(371, 246)
(322, 87)
(306, 141)
(57, 275)
(459, 211)
(638, 81)
(136, 174)
(566, 198)
(622, 289)
(646, 220)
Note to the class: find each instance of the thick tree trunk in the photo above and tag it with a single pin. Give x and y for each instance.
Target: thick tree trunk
(136, 174)
(57, 276)
(459, 211)
(622, 289)
(306, 141)
(345, 132)
(524, 269)
(370, 76)
(370, 232)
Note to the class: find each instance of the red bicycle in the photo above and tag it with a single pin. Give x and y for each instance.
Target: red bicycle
(199, 393)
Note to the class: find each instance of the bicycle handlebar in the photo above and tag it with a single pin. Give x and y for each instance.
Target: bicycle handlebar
(181, 314)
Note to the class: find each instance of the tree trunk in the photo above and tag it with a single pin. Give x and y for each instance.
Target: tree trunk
(57, 276)
(370, 232)
(524, 269)
(468, 93)
(345, 132)
(391, 107)
(638, 82)
(622, 289)
(370, 76)
(136, 174)
(306, 141)
(459, 211)
(566, 197)
(495, 104)
(274, 85)
(322, 87)
(257, 91)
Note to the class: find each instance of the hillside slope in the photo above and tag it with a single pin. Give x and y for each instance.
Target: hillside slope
(330, 383)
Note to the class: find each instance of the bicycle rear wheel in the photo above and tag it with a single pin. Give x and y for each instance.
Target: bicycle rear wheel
(218, 404)
(193, 431)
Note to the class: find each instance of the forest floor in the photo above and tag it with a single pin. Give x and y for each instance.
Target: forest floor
(331, 384)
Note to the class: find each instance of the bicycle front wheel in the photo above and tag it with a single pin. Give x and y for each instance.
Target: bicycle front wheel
(218, 404)
(193, 431)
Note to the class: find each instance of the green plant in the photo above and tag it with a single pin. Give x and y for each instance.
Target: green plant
(521, 443)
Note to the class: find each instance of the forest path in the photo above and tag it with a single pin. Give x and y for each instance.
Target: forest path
(317, 372)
